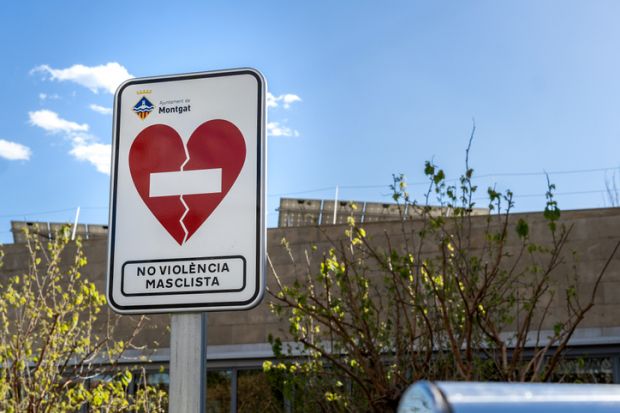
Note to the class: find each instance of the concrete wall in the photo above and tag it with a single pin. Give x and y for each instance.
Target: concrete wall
(594, 235)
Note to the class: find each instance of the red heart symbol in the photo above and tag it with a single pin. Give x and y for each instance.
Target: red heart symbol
(159, 148)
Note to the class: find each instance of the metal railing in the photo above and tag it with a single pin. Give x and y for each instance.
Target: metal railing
(468, 397)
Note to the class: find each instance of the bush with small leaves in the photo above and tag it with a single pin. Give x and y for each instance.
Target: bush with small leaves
(449, 300)
(53, 345)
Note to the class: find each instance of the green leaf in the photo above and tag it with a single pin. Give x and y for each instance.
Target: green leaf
(552, 212)
(522, 228)
(440, 176)
(429, 169)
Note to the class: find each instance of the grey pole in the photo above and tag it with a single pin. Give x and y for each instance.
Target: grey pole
(233, 390)
(188, 363)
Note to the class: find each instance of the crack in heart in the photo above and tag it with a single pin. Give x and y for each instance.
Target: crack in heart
(183, 201)
(182, 218)
(215, 144)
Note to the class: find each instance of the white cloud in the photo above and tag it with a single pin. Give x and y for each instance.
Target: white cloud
(289, 99)
(285, 100)
(276, 129)
(84, 147)
(45, 96)
(51, 122)
(271, 101)
(14, 151)
(105, 77)
(97, 154)
(101, 109)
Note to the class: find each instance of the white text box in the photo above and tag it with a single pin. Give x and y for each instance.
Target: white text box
(184, 276)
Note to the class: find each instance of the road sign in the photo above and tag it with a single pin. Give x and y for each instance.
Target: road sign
(187, 227)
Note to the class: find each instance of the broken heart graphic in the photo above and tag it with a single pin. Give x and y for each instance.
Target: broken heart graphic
(215, 146)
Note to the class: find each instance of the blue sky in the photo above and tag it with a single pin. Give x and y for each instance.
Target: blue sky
(362, 89)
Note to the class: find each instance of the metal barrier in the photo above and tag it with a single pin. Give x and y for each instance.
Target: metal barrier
(468, 397)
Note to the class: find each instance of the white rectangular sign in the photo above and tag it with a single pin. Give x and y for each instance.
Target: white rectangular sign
(187, 226)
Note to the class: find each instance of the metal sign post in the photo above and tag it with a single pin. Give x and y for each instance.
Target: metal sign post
(187, 202)
(188, 370)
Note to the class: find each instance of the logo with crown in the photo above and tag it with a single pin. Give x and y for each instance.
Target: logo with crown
(143, 108)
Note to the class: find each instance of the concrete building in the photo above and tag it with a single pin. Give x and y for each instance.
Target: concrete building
(238, 341)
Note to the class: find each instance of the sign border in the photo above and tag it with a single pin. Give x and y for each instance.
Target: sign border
(261, 232)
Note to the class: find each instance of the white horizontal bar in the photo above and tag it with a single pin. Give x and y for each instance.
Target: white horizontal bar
(200, 181)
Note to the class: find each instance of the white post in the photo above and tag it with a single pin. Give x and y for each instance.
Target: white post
(77, 217)
(335, 205)
(188, 363)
